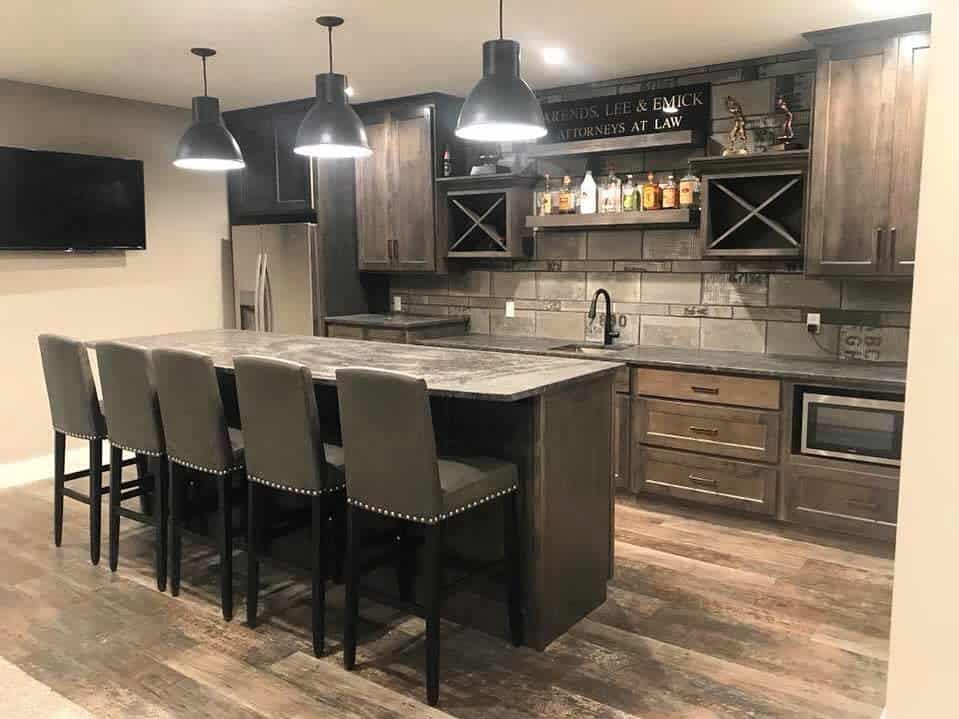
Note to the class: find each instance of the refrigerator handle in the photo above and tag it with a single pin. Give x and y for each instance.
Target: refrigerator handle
(258, 295)
(267, 295)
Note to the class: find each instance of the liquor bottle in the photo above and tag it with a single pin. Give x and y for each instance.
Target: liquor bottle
(587, 194)
(670, 194)
(629, 195)
(566, 202)
(614, 194)
(546, 200)
(689, 190)
(447, 163)
(652, 194)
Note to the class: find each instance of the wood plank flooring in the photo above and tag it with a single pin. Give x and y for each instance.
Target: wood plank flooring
(708, 616)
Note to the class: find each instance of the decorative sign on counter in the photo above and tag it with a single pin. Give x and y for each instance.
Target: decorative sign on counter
(634, 113)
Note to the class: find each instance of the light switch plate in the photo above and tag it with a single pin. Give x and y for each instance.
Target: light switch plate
(397, 303)
(510, 308)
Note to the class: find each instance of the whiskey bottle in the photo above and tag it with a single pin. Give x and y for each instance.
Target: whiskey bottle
(689, 190)
(447, 162)
(670, 194)
(652, 194)
(629, 195)
(566, 202)
(546, 200)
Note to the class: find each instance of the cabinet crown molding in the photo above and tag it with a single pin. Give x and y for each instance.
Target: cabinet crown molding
(863, 32)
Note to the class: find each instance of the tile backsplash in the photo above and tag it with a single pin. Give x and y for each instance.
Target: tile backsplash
(665, 295)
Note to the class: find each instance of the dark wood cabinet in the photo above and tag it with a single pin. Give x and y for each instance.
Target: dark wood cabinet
(622, 439)
(396, 199)
(276, 184)
(867, 148)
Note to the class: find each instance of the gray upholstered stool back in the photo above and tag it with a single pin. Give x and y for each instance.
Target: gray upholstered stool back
(194, 423)
(130, 399)
(281, 424)
(388, 441)
(71, 391)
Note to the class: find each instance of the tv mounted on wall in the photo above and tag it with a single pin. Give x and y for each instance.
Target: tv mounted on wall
(63, 202)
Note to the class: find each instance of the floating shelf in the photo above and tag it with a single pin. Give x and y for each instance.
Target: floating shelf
(633, 143)
(685, 218)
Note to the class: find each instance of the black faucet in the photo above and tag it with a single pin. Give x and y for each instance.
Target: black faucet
(609, 334)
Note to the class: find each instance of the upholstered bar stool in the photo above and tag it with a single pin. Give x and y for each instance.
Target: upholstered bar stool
(132, 409)
(285, 452)
(75, 410)
(392, 469)
(198, 438)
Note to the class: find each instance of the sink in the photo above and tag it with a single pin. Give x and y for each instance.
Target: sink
(589, 349)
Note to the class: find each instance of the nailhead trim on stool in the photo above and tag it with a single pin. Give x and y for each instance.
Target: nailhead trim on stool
(296, 490)
(218, 472)
(78, 435)
(430, 520)
(147, 452)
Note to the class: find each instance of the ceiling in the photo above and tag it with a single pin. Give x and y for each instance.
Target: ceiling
(269, 50)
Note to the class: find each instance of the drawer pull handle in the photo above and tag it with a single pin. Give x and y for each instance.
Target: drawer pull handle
(711, 431)
(702, 480)
(705, 390)
(871, 506)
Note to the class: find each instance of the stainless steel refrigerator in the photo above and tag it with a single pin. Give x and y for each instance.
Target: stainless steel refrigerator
(289, 277)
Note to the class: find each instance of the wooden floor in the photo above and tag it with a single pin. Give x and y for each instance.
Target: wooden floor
(708, 616)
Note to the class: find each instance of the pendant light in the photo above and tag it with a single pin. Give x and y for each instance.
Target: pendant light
(501, 108)
(331, 128)
(207, 144)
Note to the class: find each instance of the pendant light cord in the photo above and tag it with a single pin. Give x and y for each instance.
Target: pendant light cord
(204, 76)
(330, 31)
(500, 19)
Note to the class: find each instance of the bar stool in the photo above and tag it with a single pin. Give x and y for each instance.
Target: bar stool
(75, 410)
(133, 417)
(285, 451)
(392, 469)
(198, 438)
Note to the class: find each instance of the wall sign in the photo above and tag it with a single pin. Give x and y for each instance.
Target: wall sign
(635, 113)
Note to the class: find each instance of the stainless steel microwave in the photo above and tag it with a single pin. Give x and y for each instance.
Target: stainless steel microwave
(855, 426)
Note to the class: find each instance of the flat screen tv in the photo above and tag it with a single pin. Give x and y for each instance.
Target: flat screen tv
(63, 202)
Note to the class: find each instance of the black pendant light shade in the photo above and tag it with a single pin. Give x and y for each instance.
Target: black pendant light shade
(331, 128)
(502, 107)
(207, 144)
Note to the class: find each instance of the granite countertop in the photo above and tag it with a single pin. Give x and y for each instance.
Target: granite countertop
(859, 373)
(448, 372)
(399, 320)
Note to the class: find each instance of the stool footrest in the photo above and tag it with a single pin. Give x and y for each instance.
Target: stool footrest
(136, 516)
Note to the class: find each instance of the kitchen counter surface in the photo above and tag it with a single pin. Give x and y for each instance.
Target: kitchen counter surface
(448, 372)
(872, 374)
(399, 320)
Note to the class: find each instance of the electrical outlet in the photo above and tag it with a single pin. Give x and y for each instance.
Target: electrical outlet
(813, 322)
(397, 303)
(510, 308)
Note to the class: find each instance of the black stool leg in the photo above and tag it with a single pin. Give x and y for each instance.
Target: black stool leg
(433, 588)
(116, 469)
(511, 547)
(352, 588)
(161, 511)
(406, 564)
(96, 489)
(252, 547)
(319, 575)
(225, 520)
(176, 509)
(59, 471)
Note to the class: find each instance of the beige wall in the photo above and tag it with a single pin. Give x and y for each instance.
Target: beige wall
(177, 283)
(924, 667)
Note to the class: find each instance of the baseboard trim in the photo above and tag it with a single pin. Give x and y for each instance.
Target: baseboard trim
(35, 469)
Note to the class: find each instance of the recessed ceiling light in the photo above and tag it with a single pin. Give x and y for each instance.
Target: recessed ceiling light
(349, 92)
(554, 56)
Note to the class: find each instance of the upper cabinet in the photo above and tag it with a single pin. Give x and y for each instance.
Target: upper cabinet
(397, 223)
(275, 185)
(867, 148)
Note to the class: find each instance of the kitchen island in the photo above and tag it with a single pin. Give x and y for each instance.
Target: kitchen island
(549, 415)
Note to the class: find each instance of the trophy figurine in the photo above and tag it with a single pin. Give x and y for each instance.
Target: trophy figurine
(737, 133)
(786, 139)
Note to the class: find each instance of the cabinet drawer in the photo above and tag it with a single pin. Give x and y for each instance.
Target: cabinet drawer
(739, 433)
(707, 480)
(713, 388)
(851, 502)
(345, 332)
(380, 335)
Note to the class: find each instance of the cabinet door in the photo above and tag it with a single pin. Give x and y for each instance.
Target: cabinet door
(373, 202)
(621, 440)
(251, 189)
(851, 158)
(293, 188)
(907, 151)
(411, 187)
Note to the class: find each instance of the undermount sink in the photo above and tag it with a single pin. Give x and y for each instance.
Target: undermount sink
(588, 349)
